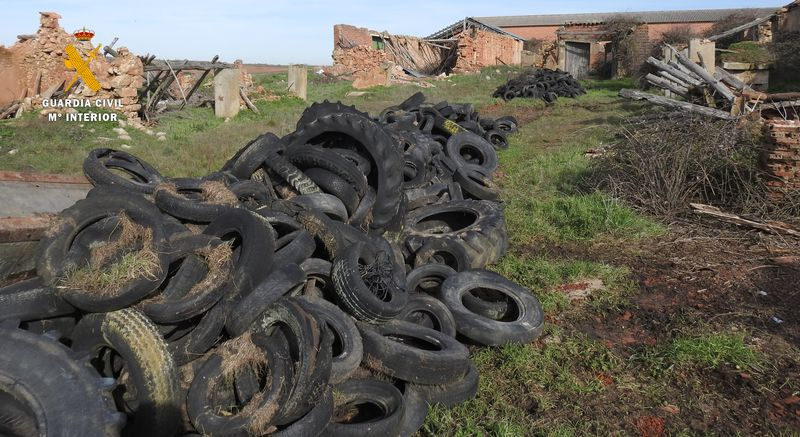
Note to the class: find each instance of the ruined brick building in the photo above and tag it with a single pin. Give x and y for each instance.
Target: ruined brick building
(465, 46)
(579, 38)
(34, 66)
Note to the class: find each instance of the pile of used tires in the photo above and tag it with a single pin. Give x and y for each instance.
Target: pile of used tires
(325, 283)
(543, 83)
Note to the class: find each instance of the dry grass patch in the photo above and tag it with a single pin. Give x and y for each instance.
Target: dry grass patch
(103, 275)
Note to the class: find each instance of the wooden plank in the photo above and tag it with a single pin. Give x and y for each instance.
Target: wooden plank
(675, 104)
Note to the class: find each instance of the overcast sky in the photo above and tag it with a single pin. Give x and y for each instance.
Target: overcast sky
(284, 31)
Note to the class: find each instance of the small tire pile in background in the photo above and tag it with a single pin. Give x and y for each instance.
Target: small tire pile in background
(543, 83)
(324, 283)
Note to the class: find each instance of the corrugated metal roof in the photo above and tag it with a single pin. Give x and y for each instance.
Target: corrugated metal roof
(688, 16)
(458, 26)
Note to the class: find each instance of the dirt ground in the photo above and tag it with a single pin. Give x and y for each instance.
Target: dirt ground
(712, 277)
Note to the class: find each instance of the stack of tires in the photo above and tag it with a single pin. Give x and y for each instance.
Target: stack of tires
(542, 83)
(324, 283)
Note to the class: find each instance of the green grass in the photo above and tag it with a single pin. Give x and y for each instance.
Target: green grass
(710, 350)
(520, 383)
(543, 275)
(747, 51)
(545, 388)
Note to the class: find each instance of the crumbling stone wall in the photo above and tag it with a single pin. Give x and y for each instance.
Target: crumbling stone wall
(782, 154)
(20, 64)
(480, 48)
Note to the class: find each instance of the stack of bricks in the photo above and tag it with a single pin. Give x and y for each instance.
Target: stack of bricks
(782, 154)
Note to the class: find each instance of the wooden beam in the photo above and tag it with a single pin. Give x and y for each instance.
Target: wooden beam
(685, 71)
(738, 29)
(675, 104)
(676, 72)
(666, 84)
(198, 82)
(178, 65)
(730, 79)
(668, 76)
(37, 83)
(247, 101)
(706, 76)
(772, 227)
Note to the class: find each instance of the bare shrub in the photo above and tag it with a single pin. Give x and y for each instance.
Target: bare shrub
(678, 35)
(619, 30)
(660, 165)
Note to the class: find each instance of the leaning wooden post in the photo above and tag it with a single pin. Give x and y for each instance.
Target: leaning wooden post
(298, 81)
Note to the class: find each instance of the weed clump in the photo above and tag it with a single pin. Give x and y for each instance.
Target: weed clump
(117, 262)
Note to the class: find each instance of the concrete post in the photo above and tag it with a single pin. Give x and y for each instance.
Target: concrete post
(298, 81)
(226, 93)
(706, 48)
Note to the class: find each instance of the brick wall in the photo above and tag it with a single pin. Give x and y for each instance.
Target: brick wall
(347, 36)
(782, 154)
(479, 48)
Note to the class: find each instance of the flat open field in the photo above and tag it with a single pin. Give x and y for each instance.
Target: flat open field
(653, 328)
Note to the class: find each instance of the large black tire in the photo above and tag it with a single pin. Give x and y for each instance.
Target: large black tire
(195, 287)
(291, 174)
(252, 156)
(303, 333)
(97, 165)
(428, 278)
(306, 157)
(521, 325)
(201, 337)
(478, 226)
(31, 300)
(183, 200)
(369, 139)
(44, 390)
(467, 144)
(348, 350)
(209, 415)
(256, 246)
(475, 185)
(427, 311)
(321, 109)
(413, 353)
(416, 408)
(334, 185)
(53, 262)
(366, 395)
(454, 393)
(267, 292)
(150, 392)
(313, 423)
(365, 284)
